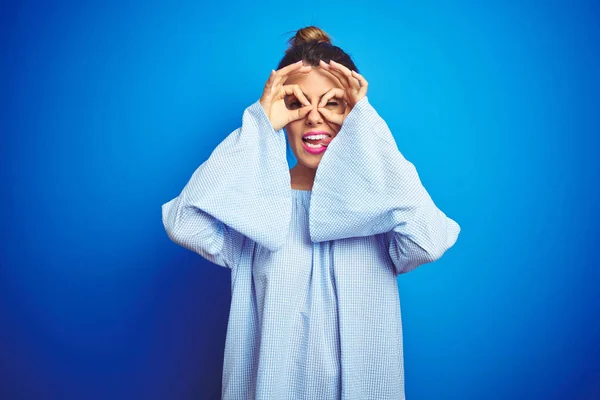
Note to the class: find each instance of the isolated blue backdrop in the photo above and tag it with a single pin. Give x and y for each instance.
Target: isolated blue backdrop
(108, 107)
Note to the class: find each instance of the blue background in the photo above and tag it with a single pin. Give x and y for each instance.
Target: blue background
(108, 107)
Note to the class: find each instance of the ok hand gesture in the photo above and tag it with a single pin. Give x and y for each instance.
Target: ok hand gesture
(355, 88)
(272, 99)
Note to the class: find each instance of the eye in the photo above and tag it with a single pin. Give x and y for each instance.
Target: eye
(295, 104)
(332, 103)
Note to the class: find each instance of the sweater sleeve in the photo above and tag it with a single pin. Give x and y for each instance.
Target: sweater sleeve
(241, 191)
(364, 186)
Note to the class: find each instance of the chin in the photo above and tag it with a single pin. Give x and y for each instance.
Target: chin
(307, 159)
(310, 164)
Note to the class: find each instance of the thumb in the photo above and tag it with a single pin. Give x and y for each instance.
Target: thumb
(331, 116)
(299, 113)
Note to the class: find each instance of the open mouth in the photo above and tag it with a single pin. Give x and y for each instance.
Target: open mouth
(317, 140)
(314, 148)
(314, 145)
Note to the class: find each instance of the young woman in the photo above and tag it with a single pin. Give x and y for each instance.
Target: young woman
(315, 250)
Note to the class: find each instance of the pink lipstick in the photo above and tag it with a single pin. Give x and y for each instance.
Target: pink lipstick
(314, 150)
(317, 145)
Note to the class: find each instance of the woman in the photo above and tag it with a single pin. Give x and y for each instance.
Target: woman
(315, 250)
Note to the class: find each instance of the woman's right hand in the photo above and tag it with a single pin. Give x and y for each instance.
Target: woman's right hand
(273, 97)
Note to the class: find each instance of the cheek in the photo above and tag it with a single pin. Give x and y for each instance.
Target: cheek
(335, 128)
(294, 130)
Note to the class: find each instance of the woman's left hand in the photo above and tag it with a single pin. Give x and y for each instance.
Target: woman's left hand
(355, 88)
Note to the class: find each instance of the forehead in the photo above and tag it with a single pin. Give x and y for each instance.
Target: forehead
(316, 82)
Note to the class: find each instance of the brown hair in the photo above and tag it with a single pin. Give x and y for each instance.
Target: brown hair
(312, 44)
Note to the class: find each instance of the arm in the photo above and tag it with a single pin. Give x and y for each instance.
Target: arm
(364, 186)
(242, 190)
(198, 231)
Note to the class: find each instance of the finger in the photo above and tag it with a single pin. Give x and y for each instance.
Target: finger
(331, 116)
(271, 81)
(328, 68)
(271, 78)
(361, 79)
(334, 92)
(288, 68)
(339, 77)
(353, 82)
(269, 84)
(299, 113)
(291, 69)
(323, 64)
(304, 70)
(363, 82)
(295, 90)
(346, 72)
(280, 79)
(300, 96)
(282, 71)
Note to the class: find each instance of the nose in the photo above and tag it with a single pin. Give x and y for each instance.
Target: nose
(314, 117)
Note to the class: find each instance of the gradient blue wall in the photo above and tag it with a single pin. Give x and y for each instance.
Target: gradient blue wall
(108, 108)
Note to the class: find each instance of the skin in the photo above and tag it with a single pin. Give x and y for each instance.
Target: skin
(305, 98)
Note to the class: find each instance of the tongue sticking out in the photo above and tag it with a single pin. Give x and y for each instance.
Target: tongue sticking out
(325, 141)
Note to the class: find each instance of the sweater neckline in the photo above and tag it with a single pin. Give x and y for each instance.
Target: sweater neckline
(301, 197)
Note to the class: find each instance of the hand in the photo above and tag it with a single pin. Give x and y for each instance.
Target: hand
(355, 88)
(272, 99)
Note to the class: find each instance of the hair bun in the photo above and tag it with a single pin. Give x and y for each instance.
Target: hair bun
(308, 34)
